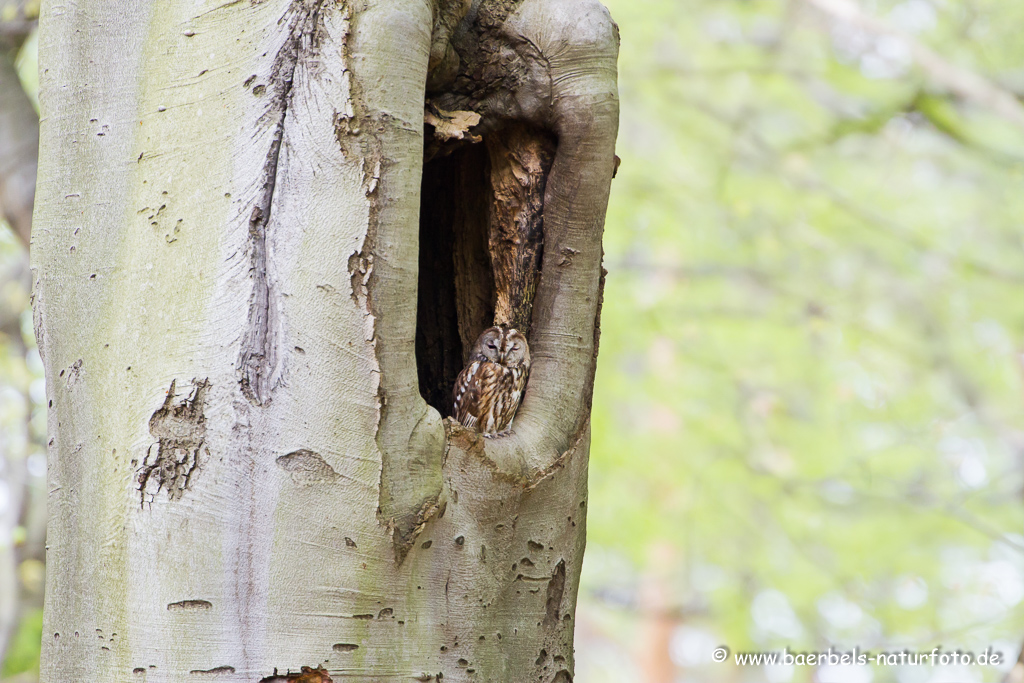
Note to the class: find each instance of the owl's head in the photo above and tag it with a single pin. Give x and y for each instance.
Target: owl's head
(517, 350)
(501, 345)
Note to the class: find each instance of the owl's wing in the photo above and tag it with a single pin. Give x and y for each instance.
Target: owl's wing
(475, 391)
(464, 394)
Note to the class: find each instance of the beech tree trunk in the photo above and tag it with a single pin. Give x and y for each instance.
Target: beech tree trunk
(246, 476)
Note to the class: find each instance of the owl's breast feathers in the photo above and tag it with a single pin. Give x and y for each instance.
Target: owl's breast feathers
(487, 395)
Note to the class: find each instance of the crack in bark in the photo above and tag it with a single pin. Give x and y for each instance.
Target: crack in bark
(189, 604)
(540, 476)
(556, 589)
(258, 357)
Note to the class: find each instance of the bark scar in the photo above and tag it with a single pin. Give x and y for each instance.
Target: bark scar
(218, 671)
(306, 675)
(556, 589)
(307, 467)
(190, 604)
(258, 357)
(180, 433)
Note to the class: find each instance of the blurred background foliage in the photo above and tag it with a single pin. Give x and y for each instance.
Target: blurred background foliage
(22, 388)
(808, 420)
(808, 416)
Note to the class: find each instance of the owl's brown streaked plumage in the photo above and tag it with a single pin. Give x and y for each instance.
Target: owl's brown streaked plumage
(489, 389)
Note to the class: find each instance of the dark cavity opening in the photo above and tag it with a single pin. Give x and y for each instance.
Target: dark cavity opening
(456, 286)
(481, 246)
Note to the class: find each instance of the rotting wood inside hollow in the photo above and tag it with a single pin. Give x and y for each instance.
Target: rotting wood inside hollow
(481, 245)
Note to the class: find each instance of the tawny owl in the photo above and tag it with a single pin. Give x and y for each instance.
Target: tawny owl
(488, 390)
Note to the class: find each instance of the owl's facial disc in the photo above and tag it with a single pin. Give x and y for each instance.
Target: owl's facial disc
(489, 344)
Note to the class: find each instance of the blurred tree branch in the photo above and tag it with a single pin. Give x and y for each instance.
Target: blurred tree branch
(962, 82)
(762, 154)
(19, 122)
(19, 146)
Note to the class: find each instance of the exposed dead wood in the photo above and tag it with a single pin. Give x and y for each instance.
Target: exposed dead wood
(521, 158)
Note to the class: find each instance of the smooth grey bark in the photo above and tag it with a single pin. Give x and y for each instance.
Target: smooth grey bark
(244, 477)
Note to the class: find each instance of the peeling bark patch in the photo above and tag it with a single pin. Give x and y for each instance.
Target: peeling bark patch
(360, 268)
(258, 356)
(556, 588)
(307, 675)
(307, 468)
(562, 676)
(372, 164)
(345, 647)
(180, 431)
(190, 605)
(213, 672)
